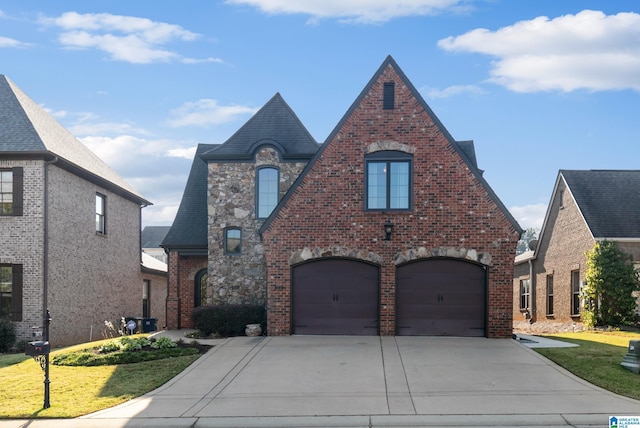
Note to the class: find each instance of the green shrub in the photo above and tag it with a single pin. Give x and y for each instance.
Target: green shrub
(227, 320)
(129, 344)
(110, 346)
(87, 357)
(163, 343)
(7, 335)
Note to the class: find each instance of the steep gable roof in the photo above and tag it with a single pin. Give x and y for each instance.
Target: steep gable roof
(609, 200)
(189, 229)
(27, 130)
(464, 149)
(152, 236)
(274, 124)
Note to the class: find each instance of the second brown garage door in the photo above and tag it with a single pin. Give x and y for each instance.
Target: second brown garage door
(441, 297)
(335, 296)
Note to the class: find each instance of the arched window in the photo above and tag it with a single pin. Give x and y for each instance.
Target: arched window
(267, 189)
(200, 288)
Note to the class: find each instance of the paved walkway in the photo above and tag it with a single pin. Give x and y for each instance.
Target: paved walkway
(335, 381)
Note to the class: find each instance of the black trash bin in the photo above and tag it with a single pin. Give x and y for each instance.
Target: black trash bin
(149, 325)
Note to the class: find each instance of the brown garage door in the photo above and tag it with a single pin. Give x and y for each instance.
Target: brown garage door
(441, 297)
(335, 296)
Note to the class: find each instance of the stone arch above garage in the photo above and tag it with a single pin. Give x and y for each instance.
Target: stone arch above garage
(307, 254)
(451, 252)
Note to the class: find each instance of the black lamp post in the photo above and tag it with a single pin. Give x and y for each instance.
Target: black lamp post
(388, 227)
(47, 321)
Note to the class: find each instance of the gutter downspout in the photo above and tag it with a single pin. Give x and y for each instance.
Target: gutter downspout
(45, 252)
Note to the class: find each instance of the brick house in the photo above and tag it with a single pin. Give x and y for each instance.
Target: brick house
(586, 206)
(69, 227)
(389, 228)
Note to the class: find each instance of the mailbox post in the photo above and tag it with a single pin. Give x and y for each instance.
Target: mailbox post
(40, 350)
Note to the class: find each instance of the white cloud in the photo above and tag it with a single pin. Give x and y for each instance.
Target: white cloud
(451, 91)
(187, 153)
(205, 112)
(588, 50)
(6, 42)
(530, 215)
(124, 38)
(362, 11)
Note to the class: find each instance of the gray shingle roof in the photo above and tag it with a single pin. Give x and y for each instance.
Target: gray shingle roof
(608, 199)
(26, 129)
(152, 236)
(274, 124)
(189, 228)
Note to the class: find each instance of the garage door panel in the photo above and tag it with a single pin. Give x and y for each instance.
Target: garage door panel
(335, 296)
(441, 297)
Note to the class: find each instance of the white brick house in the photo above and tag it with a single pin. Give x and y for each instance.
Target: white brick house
(69, 228)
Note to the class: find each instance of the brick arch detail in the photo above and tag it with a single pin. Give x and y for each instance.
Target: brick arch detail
(307, 253)
(380, 146)
(451, 252)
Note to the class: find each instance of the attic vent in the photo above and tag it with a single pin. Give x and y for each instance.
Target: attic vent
(389, 95)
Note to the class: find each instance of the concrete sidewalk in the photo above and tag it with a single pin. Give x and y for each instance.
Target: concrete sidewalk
(337, 381)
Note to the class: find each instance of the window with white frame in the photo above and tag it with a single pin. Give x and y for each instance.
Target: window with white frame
(525, 293)
(101, 214)
(549, 294)
(575, 292)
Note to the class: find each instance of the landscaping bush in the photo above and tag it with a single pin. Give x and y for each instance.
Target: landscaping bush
(88, 357)
(228, 320)
(7, 335)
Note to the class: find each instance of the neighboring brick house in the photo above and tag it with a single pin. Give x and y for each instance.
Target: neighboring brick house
(586, 206)
(69, 227)
(389, 227)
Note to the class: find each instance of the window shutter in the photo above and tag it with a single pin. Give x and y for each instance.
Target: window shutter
(16, 293)
(17, 190)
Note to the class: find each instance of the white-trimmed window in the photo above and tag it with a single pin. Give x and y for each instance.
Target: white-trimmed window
(575, 292)
(101, 214)
(525, 293)
(549, 294)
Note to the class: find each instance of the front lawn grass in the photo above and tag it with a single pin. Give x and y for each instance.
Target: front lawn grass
(77, 391)
(597, 359)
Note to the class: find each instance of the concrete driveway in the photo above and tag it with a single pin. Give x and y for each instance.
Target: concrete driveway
(368, 382)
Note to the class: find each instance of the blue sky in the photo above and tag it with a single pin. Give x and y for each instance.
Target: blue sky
(539, 85)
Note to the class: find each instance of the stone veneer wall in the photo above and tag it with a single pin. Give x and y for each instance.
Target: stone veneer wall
(231, 203)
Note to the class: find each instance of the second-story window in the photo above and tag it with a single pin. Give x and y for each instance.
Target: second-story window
(11, 191)
(388, 181)
(267, 189)
(101, 214)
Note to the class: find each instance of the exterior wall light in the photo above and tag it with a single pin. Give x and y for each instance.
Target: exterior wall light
(388, 227)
